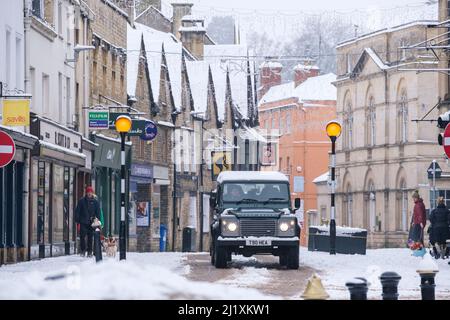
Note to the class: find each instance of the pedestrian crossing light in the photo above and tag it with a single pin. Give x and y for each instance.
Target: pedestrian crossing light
(333, 129)
(123, 124)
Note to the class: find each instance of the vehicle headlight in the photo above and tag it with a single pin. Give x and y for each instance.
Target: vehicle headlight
(287, 226)
(232, 226)
(284, 227)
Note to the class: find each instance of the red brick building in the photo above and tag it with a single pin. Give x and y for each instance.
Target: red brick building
(298, 111)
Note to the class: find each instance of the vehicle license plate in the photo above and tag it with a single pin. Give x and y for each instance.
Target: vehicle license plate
(258, 242)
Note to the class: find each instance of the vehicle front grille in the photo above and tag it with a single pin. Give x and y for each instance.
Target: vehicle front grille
(258, 227)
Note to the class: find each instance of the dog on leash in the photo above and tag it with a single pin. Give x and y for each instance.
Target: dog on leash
(110, 246)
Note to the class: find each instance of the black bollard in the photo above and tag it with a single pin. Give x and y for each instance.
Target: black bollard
(97, 245)
(358, 288)
(389, 282)
(427, 285)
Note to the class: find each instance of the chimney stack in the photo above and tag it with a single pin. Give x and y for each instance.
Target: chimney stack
(303, 72)
(179, 11)
(269, 76)
(192, 33)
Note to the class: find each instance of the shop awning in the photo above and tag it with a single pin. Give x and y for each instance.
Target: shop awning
(58, 153)
(21, 139)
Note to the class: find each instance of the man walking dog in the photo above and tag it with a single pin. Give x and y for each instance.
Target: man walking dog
(88, 208)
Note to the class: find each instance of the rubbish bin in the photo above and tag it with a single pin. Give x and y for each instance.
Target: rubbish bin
(348, 240)
(188, 239)
(162, 238)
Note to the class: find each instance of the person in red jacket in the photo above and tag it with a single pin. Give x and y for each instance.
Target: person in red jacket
(419, 218)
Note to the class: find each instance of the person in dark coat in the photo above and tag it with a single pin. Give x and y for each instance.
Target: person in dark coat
(419, 218)
(439, 219)
(88, 208)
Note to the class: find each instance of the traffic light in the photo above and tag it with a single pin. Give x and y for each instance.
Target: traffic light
(443, 120)
(441, 139)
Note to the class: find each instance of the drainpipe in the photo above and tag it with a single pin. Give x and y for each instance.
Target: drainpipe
(26, 172)
(386, 175)
(85, 82)
(174, 194)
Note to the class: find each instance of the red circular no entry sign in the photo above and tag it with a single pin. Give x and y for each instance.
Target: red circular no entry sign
(7, 149)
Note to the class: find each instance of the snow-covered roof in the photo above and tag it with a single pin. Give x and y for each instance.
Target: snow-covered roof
(387, 30)
(251, 176)
(154, 42)
(198, 72)
(134, 38)
(173, 53)
(219, 75)
(192, 18)
(322, 178)
(234, 58)
(192, 29)
(251, 134)
(61, 149)
(314, 88)
(305, 67)
(280, 92)
(271, 65)
(317, 88)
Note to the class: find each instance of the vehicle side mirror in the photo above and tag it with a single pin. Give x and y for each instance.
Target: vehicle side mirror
(297, 203)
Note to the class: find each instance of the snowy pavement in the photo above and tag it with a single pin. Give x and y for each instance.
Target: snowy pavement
(337, 270)
(152, 276)
(191, 276)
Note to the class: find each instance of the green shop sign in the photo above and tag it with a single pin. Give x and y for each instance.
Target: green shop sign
(98, 119)
(137, 126)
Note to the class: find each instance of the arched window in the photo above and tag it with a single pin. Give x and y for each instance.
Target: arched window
(402, 118)
(370, 207)
(348, 207)
(348, 123)
(404, 206)
(371, 122)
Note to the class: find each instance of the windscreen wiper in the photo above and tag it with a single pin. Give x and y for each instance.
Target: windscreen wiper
(274, 199)
(246, 200)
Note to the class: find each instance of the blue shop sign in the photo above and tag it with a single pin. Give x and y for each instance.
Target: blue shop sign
(139, 170)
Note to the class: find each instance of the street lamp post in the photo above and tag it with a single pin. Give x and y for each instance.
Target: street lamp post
(333, 131)
(123, 126)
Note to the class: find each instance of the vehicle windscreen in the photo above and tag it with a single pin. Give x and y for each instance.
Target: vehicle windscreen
(245, 194)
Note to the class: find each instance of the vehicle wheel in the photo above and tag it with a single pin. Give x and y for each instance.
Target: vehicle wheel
(229, 257)
(283, 259)
(293, 258)
(220, 257)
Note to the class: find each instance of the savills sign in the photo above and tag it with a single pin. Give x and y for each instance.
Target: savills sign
(16, 112)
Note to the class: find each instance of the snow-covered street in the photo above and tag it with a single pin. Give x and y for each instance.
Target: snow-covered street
(191, 276)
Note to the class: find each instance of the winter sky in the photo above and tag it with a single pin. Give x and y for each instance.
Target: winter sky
(300, 5)
(281, 19)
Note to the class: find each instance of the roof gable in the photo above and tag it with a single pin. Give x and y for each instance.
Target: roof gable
(368, 58)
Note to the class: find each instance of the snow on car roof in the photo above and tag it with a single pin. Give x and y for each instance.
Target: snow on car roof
(251, 176)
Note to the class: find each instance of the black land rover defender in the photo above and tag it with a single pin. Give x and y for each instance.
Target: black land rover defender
(253, 215)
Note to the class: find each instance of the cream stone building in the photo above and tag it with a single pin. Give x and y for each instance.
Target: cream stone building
(382, 153)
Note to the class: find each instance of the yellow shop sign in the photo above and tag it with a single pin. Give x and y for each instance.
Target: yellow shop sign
(16, 112)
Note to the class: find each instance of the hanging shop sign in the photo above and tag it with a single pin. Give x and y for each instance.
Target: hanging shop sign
(16, 112)
(98, 119)
(150, 131)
